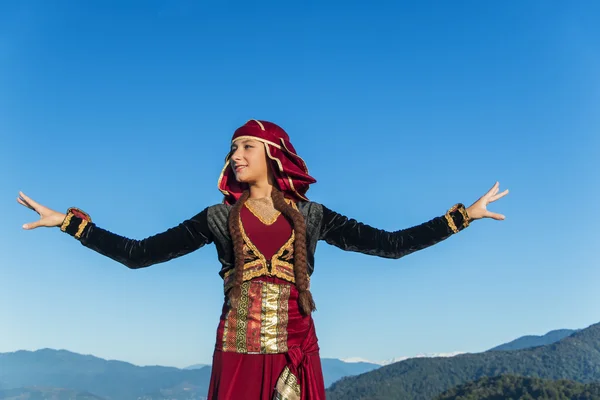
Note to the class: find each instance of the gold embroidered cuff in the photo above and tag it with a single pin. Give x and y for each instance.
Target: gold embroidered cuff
(466, 218)
(75, 222)
(457, 218)
(66, 222)
(451, 223)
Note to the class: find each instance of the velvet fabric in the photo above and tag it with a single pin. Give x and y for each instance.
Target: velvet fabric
(247, 376)
(236, 374)
(290, 171)
(267, 238)
(210, 226)
(253, 376)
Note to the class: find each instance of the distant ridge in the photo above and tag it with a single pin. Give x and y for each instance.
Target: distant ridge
(576, 357)
(122, 380)
(525, 342)
(112, 379)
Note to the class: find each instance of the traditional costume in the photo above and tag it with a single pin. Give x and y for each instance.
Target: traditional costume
(266, 345)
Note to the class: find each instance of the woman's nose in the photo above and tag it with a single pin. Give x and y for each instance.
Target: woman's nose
(236, 155)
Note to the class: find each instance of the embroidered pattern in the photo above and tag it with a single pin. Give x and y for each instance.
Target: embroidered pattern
(82, 226)
(461, 208)
(466, 217)
(282, 261)
(259, 324)
(451, 223)
(255, 263)
(287, 387)
(242, 316)
(77, 213)
(263, 209)
(282, 318)
(255, 307)
(66, 222)
(229, 331)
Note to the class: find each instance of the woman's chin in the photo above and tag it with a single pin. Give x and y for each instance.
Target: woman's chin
(241, 179)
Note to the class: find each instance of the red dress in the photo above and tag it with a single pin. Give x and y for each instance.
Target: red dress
(266, 349)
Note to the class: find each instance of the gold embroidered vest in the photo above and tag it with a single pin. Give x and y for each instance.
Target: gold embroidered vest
(281, 265)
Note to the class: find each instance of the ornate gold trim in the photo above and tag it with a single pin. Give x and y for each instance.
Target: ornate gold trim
(82, 226)
(451, 223)
(66, 222)
(271, 302)
(261, 259)
(287, 387)
(242, 319)
(465, 215)
(463, 211)
(260, 217)
(249, 275)
(253, 248)
(259, 324)
(279, 266)
(277, 262)
(280, 272)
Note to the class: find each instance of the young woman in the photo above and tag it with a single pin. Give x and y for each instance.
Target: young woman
(265, 232)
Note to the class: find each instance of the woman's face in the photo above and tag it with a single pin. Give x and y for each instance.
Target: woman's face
(249, 161)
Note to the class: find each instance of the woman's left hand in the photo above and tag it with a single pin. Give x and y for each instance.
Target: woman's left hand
(478, 209)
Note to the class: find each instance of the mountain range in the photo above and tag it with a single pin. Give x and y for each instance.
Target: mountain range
(528, 341)
(575, 357)
(44, 372)
(50, 368)
(398, 359)
(60, 374)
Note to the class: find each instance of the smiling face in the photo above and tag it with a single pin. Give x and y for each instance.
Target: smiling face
(249, 161)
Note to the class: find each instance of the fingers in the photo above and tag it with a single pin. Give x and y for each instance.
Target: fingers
(21, 201)
(31, 204)
(32, 225)
(493, 190)
(495, 216)
(498, 196)
(34, 205)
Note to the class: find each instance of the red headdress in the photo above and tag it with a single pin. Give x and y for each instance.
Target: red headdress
(289, 170)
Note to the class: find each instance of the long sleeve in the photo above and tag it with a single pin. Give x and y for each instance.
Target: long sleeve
(182, 239)
(351, 235)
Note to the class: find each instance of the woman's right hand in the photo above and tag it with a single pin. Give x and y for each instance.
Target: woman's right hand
(48, 217)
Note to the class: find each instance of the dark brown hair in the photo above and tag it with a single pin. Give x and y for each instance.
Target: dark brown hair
(305, 300)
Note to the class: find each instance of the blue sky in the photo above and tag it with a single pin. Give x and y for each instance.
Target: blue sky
(400, 109)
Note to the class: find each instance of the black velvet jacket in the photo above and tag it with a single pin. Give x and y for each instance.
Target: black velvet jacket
(210, 225)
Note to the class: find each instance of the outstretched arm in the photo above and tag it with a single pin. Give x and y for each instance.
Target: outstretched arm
(349, 234)
(186, 237)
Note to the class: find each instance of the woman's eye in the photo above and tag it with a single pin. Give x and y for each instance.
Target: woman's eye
(248, 146)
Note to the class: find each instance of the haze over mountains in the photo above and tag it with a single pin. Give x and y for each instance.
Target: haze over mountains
(57, 374)
(398, 359)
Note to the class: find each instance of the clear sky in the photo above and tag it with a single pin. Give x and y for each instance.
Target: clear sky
(400, 110)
